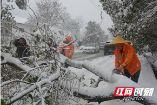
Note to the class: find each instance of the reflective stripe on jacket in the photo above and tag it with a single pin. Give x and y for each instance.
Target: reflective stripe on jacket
(128, 59)
(69, 50)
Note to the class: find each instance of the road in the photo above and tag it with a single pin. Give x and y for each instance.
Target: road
(78, 56)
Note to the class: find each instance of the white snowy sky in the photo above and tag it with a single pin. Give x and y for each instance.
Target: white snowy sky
(87, 9)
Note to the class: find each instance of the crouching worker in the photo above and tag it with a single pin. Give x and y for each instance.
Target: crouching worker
(126, 59)
(22, 48)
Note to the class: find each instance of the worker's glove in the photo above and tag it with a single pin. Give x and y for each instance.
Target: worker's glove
(116, 71)
(69, 56)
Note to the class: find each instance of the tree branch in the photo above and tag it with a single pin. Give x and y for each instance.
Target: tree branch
(98, 94)
(106, 92)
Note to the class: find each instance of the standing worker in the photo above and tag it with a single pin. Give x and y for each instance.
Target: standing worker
(68, 50)
(126, 59)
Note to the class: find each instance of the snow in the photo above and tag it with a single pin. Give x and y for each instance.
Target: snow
(152, 59)
(146, 79)
(20, 19)
(8, 58)
(103, 67)
(51, 78)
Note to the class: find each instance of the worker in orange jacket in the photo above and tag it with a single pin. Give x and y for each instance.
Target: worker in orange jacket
(68, 50)
(126, 59)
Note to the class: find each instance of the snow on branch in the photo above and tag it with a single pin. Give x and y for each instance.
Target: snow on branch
(106, 92)
(16, 80)
(98, 94)
(36, 85)
(14, 62)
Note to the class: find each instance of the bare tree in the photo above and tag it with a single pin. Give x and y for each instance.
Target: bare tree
(48, 12)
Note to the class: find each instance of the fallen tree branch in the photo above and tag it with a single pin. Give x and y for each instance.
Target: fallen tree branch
(16, 80)
(100, 99)
(14, 62)
(106, 93)
(33, 87)
(98, 94)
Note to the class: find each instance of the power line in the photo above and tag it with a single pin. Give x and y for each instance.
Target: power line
(98, 9)
(95, 5)
(102, 11)
(102, 18)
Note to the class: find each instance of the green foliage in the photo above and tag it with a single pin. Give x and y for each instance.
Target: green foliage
(6, 15)
(37, 39)
(37, 55)
(133, 21)
(21, 4)
(53, 68)
(32, 79)
(82, 78)
(29, 61)
(47, 100)
(1, 50)
(92, 81)
(3, 102)
(84, 85)
(30, 95)
(6, 49)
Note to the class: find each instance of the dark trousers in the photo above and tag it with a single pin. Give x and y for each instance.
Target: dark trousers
(134, 77)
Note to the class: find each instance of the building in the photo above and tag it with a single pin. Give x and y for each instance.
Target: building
(23, 27)
(9, 29)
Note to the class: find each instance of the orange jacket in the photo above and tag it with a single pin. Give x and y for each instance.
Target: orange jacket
(69, 50)
(127, 59)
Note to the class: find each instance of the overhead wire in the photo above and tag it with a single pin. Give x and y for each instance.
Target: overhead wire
(100, 9)
(95, 5)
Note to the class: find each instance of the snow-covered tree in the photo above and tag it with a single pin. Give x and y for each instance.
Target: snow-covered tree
(43, 78)
(93, 33)
(134, 20)
(48, 12)
(5, 9)
(72, 27)
(51, 16)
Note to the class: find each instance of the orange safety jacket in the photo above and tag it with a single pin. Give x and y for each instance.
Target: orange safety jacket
(69, 50)
(127, 59)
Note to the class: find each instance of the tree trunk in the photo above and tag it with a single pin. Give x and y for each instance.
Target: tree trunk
(0, 10)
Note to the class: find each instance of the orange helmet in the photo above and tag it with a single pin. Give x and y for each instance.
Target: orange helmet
(69, 38)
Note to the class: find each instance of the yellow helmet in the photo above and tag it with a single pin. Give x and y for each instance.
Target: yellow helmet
(119, 40)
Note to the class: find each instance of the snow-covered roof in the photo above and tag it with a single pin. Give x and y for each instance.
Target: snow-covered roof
(20, 19)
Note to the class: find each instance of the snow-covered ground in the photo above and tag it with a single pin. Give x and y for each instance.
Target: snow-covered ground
(146, 79)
